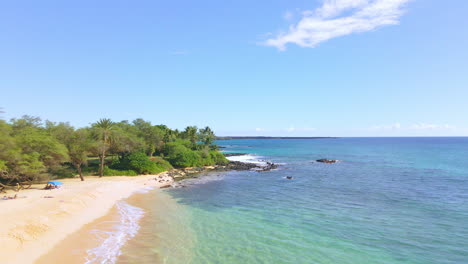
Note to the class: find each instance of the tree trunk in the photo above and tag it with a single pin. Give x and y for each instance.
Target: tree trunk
(103, 156)
(80, 172)
(101, 165)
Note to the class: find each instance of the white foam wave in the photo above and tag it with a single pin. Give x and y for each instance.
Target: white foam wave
(248, 158)
(112, 241)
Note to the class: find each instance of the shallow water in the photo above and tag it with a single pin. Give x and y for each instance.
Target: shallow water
(164, 234)
(389, 200)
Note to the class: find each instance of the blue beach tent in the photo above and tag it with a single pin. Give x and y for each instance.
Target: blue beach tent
(56, 183)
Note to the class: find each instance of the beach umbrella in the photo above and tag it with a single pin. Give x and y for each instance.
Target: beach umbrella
(55, 183)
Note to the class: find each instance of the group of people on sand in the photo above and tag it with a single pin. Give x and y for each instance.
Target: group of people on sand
(51, 186)
(9, 197)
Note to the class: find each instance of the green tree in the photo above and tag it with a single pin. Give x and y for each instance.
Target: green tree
(28, 151)
(191, 134)
(26, 121)
(61, 131)
(207, 136)
(34, 141)
(10, 153)
(169, 134)
(103, 132)
(7, 142)
(79, 146)
(124, 142)
(30, 148)
(153, 136)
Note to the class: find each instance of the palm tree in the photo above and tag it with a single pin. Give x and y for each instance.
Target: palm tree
(207, 135)
(190, 133)
(103, 130)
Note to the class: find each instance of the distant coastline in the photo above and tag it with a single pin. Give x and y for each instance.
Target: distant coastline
(248, 137)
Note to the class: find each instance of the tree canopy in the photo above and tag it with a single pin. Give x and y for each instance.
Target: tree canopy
(32, 149)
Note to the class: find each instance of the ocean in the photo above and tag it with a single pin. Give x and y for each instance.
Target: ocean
(387, 200)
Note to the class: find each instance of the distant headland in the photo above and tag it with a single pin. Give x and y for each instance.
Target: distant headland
(249, 137)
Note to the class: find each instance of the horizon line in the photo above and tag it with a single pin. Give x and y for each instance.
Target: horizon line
(325, 137)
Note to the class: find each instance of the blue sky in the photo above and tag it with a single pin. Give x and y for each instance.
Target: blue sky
(278, 67)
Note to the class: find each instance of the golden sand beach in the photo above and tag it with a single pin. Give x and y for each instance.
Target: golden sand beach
(38, 220)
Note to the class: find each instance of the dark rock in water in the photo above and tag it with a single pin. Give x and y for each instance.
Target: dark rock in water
(270, 166)
(289, 177)
(239, 166)
(327, 161)
(234, 154)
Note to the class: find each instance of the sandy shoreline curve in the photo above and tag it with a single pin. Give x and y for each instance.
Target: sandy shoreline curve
(38, 220)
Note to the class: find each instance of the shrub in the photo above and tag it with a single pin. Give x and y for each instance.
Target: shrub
(62, 172)
(89, 171)
(172, 148)
(161, 164)
(180, 155)
(187, 158)
(138, 162)
(218, 158)
(111, 172)
(205, 157)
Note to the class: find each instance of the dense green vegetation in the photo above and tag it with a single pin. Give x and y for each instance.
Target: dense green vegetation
(33, 150)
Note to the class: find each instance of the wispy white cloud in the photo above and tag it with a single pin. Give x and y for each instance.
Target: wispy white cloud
(414, 127)
(394, 126)
(424, 126)
(304, 129)
(288, 15)
(336, 18)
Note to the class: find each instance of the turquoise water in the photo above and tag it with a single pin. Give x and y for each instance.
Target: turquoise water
(389, 200)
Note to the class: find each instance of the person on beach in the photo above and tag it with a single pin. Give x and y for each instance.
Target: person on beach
(10, 197)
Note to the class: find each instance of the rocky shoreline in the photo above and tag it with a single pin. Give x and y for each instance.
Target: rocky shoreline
(188, 173)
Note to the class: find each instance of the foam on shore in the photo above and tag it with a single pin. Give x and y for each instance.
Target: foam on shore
(248, 158)
(35, 229)
(112, 241)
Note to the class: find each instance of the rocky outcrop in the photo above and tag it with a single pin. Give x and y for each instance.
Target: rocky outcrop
(186, 173)
(234, 154)
(269, 166)
(240, 166)
(327, 161)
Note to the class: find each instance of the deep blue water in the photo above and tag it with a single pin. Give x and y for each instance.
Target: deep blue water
(389, 200)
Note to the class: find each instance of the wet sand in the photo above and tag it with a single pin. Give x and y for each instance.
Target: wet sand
(33, 225)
